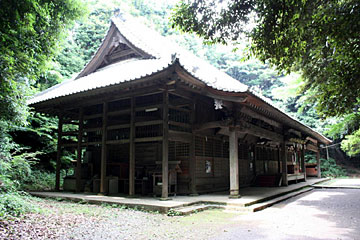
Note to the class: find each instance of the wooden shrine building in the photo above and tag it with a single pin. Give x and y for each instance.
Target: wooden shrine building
(148, 117)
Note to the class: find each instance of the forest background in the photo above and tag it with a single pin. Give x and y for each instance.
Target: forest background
(28, 140)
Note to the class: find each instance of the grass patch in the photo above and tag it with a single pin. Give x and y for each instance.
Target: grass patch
(16, 204)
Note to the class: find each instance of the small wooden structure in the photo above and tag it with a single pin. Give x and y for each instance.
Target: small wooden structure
(151, 118)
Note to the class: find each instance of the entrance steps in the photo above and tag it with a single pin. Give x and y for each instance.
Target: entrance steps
(251, 207)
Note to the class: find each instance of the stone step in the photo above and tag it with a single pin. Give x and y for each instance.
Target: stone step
(261, 206)
(252, 208)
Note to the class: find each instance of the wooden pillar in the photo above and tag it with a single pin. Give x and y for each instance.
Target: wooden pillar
(103, 150)
(79, 150)
(192, 164)
(132, 150)
(165, 147)
(234, 164)
(303, 166)
(318, 163)
(279, 160)
(284, 164)
(254, 159)
(59, 153)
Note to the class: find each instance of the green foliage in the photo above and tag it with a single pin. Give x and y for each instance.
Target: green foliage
(319, 38)
(16, 167)
(329, 168)
(351, 144)
(173, 213)
(29, 31)
(39, 180)
(15, 204)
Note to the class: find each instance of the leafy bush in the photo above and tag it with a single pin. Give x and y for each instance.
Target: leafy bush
(15, 168)
(39, 180)
(329, 168)
(15, 204)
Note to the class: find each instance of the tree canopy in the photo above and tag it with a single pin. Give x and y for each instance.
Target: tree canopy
(30, 31)
(321, 39)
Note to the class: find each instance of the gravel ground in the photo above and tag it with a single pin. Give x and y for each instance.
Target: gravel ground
(320, 214)
(66, 220)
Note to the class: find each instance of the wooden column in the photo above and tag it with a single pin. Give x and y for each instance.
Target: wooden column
(103, 150)
(279, 160)
(303, 166)
(234, 164)
(59, 153)
(79, 149)
(132, 150)
(318, 163)
(254, 159)
(284, 164)
(165, 147)
(192, 164)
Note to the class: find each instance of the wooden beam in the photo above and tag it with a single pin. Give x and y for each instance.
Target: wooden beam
(312, 148)
(79, 150)
(180, 124)
(119, 126)
(120, 54)
(149, 139)
(165, 147)
(132, 150)
(179, 108)
(120, 141)
(260, 132)
(103, 150)
(254, 114)
(119, 112)
(147, 123)
(214, 124)
(312, 140)
(234, 164)
(180, 136)
(92, 116)
(279, 159)
(59, 153)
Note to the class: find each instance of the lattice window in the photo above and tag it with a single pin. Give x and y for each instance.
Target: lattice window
(217, 148)
(154, 114)
(149, 100)
(119, 105)
(149, 131)
(199, 146)
(94, 109)
(119, 134)
(208, 147)
(172, 151)
(182, 149)
(179, 116)
(115, 120)
(94, 122)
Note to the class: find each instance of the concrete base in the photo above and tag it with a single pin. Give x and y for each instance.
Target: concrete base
(235, 196)
(165, 199)
(250, 196)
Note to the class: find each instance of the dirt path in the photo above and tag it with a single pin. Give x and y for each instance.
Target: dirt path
(320, 214)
